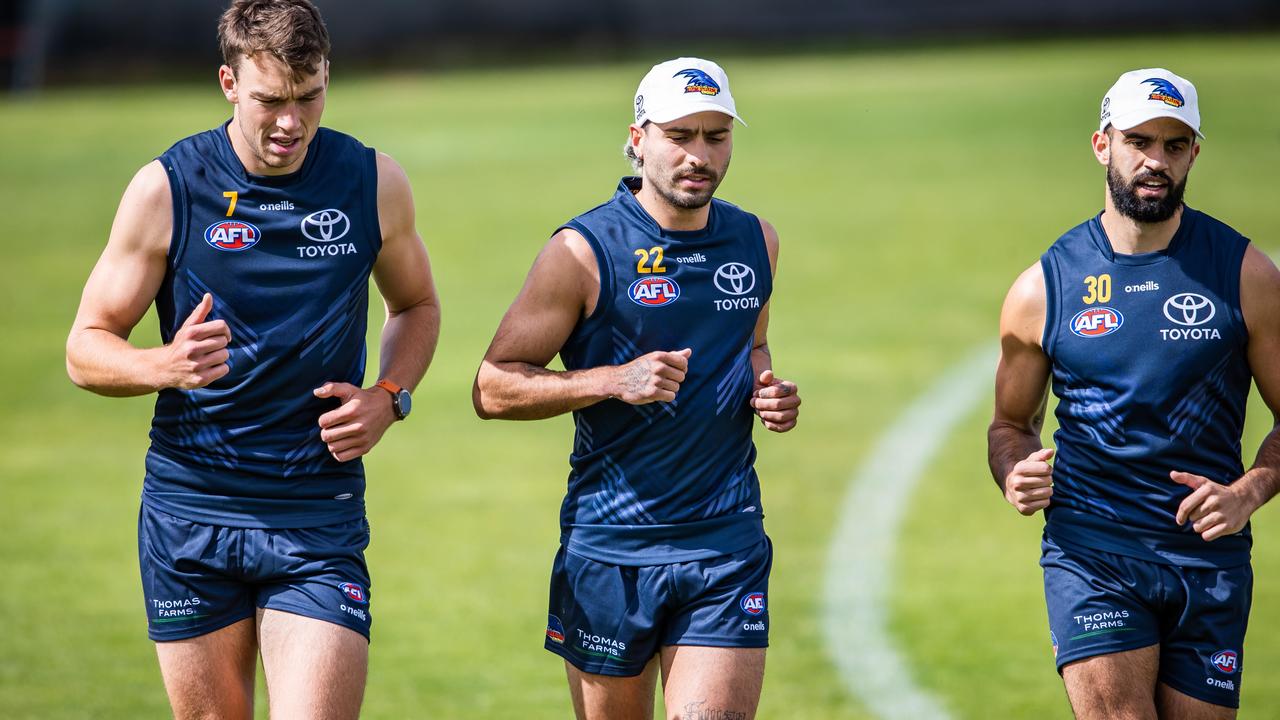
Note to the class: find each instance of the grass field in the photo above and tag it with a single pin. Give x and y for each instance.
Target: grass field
(909, 189)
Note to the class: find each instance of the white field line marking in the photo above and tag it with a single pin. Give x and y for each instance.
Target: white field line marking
(863, 549)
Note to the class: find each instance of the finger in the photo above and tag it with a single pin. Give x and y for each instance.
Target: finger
(213, 328)
(337, 416)
(1035, 494)
(780, 427)
(342, 391)
(678, 359)
(208, 345)
(1191, 502)
(1194, 482)
(664, 396)
(1033, 468)
(1041, 455)
(1209, 520)
(777, 417)
(1022, 483)
(200, 312)
(1216, 531)
(208, 360)
(670, 373)
(669, 385)
(333, 433)
(1032, 507)
(776, 390)
(783, 403)
(346, 454)
(766, 378)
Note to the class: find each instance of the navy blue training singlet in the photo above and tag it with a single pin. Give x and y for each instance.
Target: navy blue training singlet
(1150, 371)
(287, 260)
(668, 482)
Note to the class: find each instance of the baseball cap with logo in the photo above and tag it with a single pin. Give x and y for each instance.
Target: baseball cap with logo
(684, 86)
(1142, 95)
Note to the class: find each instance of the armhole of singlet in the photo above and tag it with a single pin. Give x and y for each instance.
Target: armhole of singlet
(1050, 330)
(181, 213)
(369, 163)
(1233, 291)
(762, 252)
(604, 300)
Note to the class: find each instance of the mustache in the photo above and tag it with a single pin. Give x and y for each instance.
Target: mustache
(1151, 175)
(698, 175)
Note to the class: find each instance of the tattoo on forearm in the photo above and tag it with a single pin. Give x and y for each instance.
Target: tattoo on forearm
(696, 711)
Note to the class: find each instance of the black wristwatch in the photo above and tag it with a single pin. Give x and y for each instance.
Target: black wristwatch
(401, 401)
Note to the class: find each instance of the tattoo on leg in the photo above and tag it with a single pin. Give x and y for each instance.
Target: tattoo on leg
(696, 711)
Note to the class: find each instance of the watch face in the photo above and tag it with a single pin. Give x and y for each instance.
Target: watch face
(405, 403)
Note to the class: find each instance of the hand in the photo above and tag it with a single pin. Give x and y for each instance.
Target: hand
(1029, 486)
(654, 377)
(358, 424)
(1216, 509)
(198, 354)
(777, 402)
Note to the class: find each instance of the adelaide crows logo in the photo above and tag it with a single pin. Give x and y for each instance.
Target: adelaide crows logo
(1165, 92)
(699, 82)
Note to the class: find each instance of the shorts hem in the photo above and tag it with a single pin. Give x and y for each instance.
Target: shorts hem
(193, 631)
(1069, 658)
(596, 668)
(695, 641)
(1200, 693)
(311, 613)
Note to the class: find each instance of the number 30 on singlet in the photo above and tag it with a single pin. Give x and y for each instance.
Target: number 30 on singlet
(1099, 288)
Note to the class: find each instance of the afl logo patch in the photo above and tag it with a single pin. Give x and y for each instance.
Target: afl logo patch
(326, 225)
(753, 603)
(1096, 322)
(654, 291)
(232, 235)
(1225, 661)
(555, 630)
(354, 592)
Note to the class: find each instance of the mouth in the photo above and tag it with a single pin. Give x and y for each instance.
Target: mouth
(1151, 186)
(284, 145)
(696, 181)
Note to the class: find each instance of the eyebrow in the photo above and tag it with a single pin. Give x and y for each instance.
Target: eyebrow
(1150, 138)
(272, 97)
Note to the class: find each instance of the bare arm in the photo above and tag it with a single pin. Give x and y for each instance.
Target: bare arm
(1219, 510)
(403, 275)
(775, 401)
(123, 284)
(1019, 464)
(514, 383)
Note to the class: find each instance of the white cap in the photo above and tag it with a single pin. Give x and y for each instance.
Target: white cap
(684, 86)
(1141, 95)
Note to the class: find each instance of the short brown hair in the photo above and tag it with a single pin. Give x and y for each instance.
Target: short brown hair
(290, 30)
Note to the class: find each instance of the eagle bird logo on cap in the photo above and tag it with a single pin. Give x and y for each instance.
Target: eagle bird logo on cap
(1164, 92)
(699, 82)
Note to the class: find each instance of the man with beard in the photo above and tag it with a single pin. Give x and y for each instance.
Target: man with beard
(1151, 319)
(657, 302)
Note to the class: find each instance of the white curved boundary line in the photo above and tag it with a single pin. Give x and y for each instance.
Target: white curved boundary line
(859, 573)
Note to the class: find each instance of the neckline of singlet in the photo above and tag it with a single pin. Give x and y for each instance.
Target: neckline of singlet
(228, 152)
(628, 187)
(1103, 243)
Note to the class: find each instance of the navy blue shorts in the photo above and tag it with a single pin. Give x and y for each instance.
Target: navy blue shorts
(1102, 603)
(611, 619)
(201, 578)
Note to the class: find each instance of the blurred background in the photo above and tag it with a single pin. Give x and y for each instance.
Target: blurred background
(915, 157)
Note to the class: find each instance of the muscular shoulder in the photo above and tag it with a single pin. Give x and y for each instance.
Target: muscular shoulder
(770, 242)
(1259, 291)
(395, 198)
(1023, 314)
(144, 221)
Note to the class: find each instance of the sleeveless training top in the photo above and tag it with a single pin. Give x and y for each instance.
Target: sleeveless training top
(287, 259)
(1150, 370)
(668, 482)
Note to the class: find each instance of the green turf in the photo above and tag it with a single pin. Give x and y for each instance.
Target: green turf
(909, 188)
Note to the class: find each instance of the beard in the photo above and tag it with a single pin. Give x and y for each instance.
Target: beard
(1154, 210)
(669, 189)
